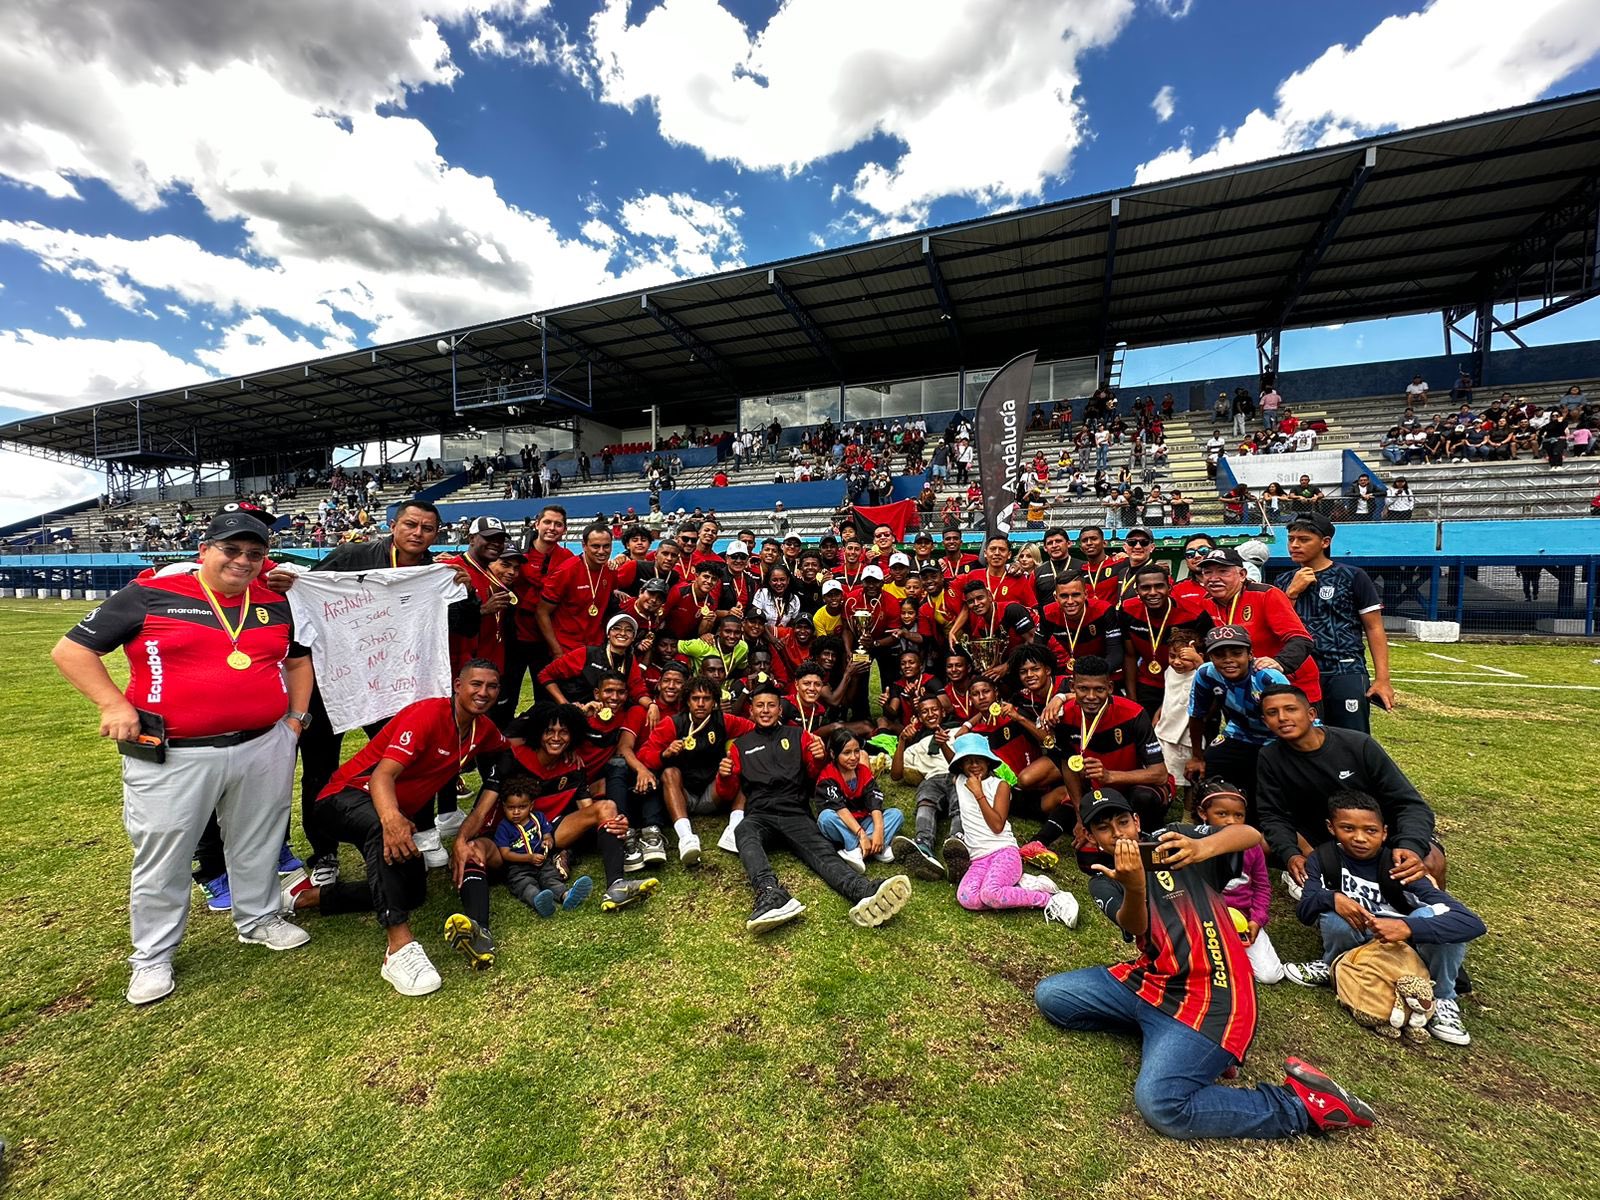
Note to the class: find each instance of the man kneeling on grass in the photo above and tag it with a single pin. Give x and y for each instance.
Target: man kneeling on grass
(1190, 992)
(771, 769)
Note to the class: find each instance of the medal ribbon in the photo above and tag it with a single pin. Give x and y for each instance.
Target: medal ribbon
(1086, 731)
(1157, 634)
(216, 607)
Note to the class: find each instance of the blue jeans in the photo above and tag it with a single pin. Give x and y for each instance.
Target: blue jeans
(1177, 1092)
(1444, 959)
(833, 828)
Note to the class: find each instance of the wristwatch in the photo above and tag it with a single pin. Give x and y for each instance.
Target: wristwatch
(303, 717)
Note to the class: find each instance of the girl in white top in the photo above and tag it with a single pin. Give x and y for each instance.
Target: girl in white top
(994, 879)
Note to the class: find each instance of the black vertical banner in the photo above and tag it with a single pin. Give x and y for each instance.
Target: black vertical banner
(1001, 418)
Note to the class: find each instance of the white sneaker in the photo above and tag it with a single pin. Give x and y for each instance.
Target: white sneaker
(726, 842)
(448, 824)
(325, 871)
(689, 850)
(1293, 888)
(409, 970)
(1446, 1024)
(892, 895)
(275, 934)
(289, 888)
(1063, 907)
(858, 864)
(150, 984)
(1039, 883)
(884, 855)
(433, 853)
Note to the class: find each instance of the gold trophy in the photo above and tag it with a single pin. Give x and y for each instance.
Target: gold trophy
(984, 652)
(862, 618)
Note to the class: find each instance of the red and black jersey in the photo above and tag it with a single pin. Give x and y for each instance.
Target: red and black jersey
(775, 769)
(1032, 705)
(1012, 744)
(177, 653)
(1191, 964)
(1190, 589)
(688, 607)
(1275, 630)
(489, 641)
(1005, 587)
(959, 700)
(903, 693)
(1140, 627)
(557, 785)
(698, 763)
(633, 575)
(580, 597)
(577, 673)
(1102, 578)
(1097, 630)
(597, 745)
(424, 739)
(1123, 738)
(528, 587)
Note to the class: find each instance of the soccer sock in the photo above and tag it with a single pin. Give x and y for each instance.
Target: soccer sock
(1049, 832)
(612, 852)
(475, 895)
(682, 828)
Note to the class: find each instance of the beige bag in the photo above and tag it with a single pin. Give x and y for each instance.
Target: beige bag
(1385, 986)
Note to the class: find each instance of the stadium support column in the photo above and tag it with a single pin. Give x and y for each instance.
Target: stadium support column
(1268, 343)
(1104, 367)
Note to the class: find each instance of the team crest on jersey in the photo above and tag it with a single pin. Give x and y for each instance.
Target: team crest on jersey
(712, 737)
(1246, 612)
(1164, 878)
(784, 742)
(1326, 591)
(561, 784)
(261, 614)
(1116, 735)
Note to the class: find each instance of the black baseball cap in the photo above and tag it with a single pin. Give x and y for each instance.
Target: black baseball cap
(657, 585)
(1226, 636)
(513, 555)
(1103, 802)
(486, 527)
(237, 524)
(1223, 556)
(1316, 522)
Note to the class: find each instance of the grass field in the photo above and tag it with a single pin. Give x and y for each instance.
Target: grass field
(663, 1051)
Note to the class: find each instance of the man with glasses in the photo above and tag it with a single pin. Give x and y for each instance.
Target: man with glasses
(1195, 547)
(216, 699)
(1137, 548)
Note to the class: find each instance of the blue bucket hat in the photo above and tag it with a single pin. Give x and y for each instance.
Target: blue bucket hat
(970, 745)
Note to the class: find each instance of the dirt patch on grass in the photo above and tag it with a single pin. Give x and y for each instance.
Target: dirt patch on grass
(74, 1001)
(1412, 702)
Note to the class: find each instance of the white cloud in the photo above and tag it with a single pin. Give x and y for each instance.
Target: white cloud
(38, 371)
(256, 344)
(980, 93)
(177, 310)
(29, 486)
(1176, 9)
(1165, 104)
(73, 318)
(696, 236)
(1403, 74)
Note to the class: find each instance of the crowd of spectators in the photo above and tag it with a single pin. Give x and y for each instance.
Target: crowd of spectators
(1504, 430)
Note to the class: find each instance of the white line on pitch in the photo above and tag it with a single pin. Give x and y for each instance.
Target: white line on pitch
(1552, 687)
(1498, 671)
(1446, 657)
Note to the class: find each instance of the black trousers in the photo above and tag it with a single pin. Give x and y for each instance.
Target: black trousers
(522, 658)
(1344, 702)
(761, 830)
(320, 750)
(390, 890)
(1235, 762)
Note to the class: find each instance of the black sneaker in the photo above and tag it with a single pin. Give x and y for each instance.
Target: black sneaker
(919, 858)
(957, 858)
(773, 907)
(632, 853)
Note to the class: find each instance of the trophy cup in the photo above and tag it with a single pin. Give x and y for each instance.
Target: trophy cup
(862, 618)
(984, 652)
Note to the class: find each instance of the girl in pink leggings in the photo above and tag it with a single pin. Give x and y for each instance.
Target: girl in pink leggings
(994, 879)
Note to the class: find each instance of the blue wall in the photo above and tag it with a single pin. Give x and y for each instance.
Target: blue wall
(750, 498)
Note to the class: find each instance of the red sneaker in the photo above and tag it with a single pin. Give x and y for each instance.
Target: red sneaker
(1037, 854)
(1330, 1106)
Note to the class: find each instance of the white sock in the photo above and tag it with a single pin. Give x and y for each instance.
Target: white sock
(735, 817)
(682, 828)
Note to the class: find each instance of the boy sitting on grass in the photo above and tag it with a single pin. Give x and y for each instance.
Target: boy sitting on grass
(524, 843)
(1351, 897)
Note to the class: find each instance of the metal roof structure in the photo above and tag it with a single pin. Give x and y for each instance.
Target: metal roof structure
(1455, 218)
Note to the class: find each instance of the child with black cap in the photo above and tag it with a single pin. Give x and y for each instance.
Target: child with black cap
(1229, 683)
(1190, 993)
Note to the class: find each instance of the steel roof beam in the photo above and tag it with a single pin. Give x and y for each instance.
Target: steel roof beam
(1321, 243)
(698, 350)
(1109, 276)
(803, 319)
(947, 306)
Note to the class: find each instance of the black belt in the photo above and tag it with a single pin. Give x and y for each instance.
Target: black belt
(220, 739)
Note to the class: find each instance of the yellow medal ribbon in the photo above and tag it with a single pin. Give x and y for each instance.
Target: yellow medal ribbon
(237, 658)
(1086, 735)
(1156, 635)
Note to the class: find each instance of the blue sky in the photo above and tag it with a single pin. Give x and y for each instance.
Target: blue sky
(180, 199)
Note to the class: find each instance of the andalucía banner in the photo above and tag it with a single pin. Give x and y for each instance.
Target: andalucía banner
(1002, 416)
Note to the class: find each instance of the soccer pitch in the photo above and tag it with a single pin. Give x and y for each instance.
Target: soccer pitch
(664, 1051)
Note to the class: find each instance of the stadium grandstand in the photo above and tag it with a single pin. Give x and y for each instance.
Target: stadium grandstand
(770, 385)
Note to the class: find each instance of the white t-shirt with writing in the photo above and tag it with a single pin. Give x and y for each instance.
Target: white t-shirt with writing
(975, 830)
(379, 639)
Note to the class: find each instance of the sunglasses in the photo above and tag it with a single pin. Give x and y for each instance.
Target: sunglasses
(1136, 541)
(231, 552)
(1199, 552)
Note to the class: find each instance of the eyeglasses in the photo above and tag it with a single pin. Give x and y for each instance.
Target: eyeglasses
(1197, 552)
(1136, 541)
(231, 552)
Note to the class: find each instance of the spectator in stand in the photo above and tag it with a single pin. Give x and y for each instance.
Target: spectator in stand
(1223, 409)
(1416, 391)
(1363, 498)
(1306, 496)
(1463, 388)
(1214, 449)
(720, 479)
(1271, 402)
(1274, 500)
(1555, 437)
(1239, 412)
(1400, 503)
(1179, 505)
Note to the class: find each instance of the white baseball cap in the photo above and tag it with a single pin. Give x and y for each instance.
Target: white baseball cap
(872, 572)
(897, 559)
(833, 585)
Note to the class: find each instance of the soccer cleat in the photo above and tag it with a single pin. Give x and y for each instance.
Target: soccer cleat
(625, 892)
(957, 858)
(1315, 973)
(472, 939)
(290, 888)
(1329, 1105)
(449, 823)
(149, 984)
(727, 841)
(1446, 1024)
(773, 907)
(275, 934)
(1038, 883)
(632, 852)
(218, 898)
(433, 853)
(578, 891)
(654, 843)
(853, 856)
(1037, 854)
(890, 898)
(544, 903)
(1294, 889)
(919, 859)
(689, 850)
(410, 971)
(1063, 907)
(325, 871)
(288, 864)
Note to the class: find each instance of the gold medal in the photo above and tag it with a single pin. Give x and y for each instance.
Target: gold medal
(1072, 665)
(761, 676)
(688, 742)
(605, 714)
(1075, 763)
(995, 709)
(705, 610)
(239, 660)
(1155, 668)
(1049, 742)
(594, 610)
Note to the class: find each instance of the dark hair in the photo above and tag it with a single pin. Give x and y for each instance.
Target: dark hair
(1031, 652)
(633, 531)
(1284, 689)
(1217, 786)
(521, 785)
(555, 508)
(426, 506)
(672, 668)
(477, 664)
(606, 675)
(701, 684)
(1200, 537)
(1093, 666)
(1053, 531)
(541, 718)
(839, 739)
(1350, 798)
(1091, 529)
(596, 527)
(1152, 568)
(808, 668)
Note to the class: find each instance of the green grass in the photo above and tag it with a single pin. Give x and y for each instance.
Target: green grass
(662, 1051)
